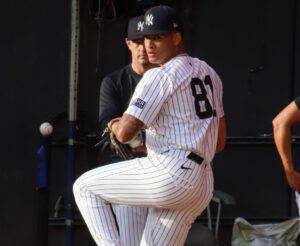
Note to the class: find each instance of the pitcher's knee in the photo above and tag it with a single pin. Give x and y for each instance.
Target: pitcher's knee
(78, 186)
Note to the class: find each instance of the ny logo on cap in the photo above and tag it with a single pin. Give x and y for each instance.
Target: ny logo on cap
(140, 26)
(149, 20)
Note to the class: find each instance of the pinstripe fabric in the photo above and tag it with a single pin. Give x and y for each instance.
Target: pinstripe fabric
(131, 221)
(297, 196)
(180, 103)
(175, 196)
(169, 110)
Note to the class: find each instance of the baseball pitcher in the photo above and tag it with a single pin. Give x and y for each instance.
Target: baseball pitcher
(180, 105)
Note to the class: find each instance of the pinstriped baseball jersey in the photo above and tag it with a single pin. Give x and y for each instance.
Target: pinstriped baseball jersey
(180, 103)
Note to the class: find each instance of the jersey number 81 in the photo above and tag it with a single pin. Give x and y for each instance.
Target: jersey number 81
(202, 97)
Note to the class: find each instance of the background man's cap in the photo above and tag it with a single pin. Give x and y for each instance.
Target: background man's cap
(135, 28)
(160, 20)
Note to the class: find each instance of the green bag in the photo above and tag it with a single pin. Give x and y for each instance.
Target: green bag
(278, 234)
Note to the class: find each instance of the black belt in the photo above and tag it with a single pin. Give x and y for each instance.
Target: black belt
(194, 157)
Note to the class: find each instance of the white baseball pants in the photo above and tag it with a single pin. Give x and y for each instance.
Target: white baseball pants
(175, 190)
(131, 222)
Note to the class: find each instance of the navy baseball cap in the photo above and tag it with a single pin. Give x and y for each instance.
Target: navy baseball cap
(135, 28)
(161, 19)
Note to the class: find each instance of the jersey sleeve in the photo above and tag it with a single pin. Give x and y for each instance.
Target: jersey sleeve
(149, 96)
(297, 101)
(108, 102)
(219, 95)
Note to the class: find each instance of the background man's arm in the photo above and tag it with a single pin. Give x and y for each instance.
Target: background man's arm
(109, 107)
(282, 128)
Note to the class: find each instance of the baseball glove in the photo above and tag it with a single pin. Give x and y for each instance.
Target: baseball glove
(124, 151)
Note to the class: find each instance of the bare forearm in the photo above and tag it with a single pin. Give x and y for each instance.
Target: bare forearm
(222, 133)
(127, 128)
(282, 128)
(282, 138)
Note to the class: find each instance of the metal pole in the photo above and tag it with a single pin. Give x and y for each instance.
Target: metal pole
(72, 117)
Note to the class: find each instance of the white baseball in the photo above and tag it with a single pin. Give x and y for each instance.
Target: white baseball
(136, 142)
(46, 129)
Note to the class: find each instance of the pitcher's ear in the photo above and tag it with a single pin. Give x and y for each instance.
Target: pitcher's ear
(177, 38)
